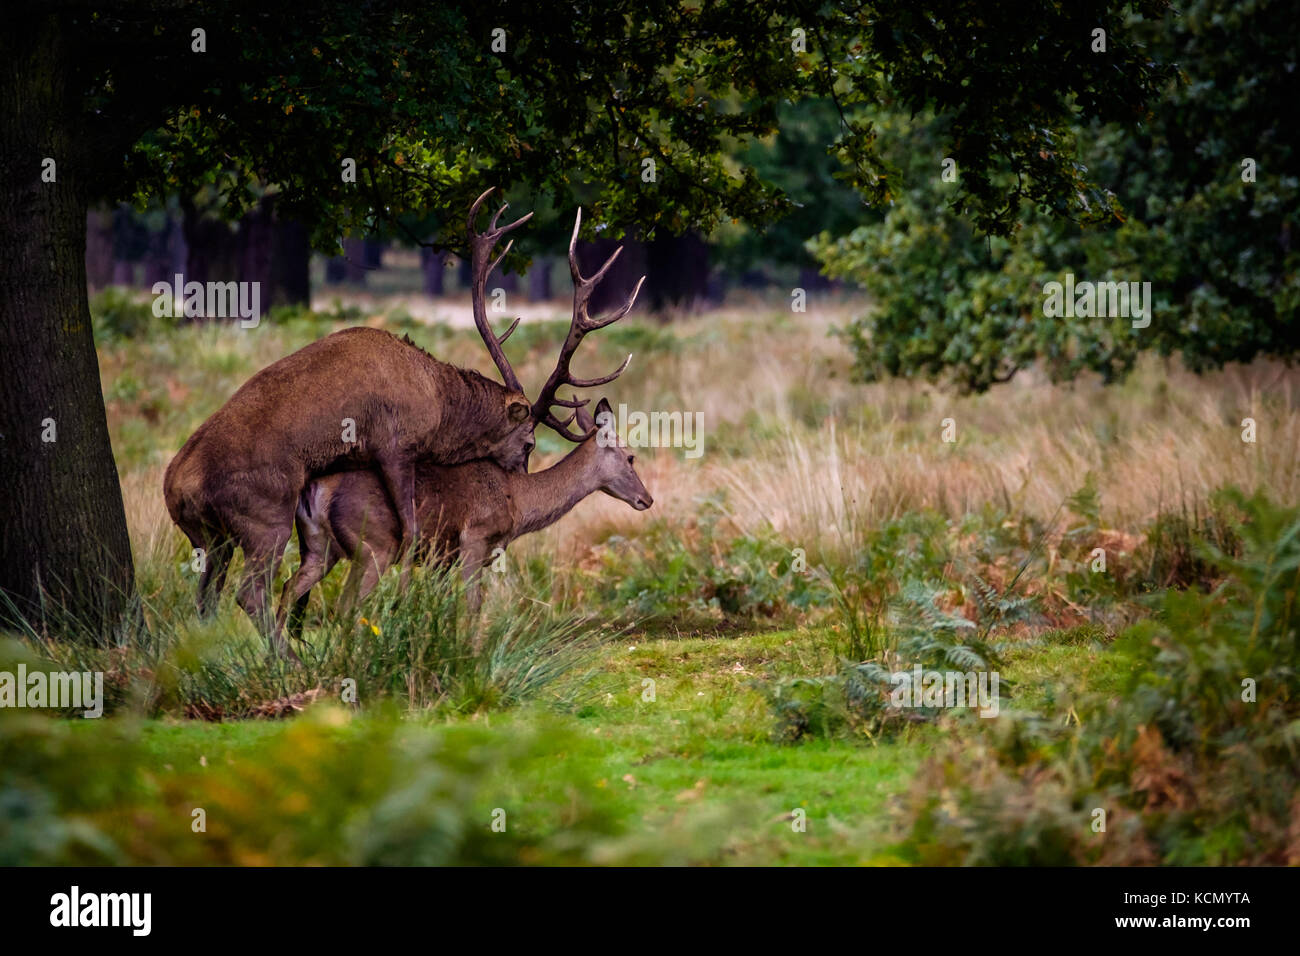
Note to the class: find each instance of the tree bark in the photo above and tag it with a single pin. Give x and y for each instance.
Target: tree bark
(434, 266)
(292, 255)
(539, 279)
(372, 253)
(353, 261)
(165, 255)
(65, 558)
(265, 249)
(679, 271)
(99, 249)
(212, 249)
(622, 276)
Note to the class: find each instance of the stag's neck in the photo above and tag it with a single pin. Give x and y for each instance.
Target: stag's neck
(544, 497)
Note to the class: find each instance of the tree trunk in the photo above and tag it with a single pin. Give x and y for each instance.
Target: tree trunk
(372, 254)
(539, 279)
(166, 254)
(354, 261)
(99, 249)
(622, 276)
(65, 558)
(292, 254)
(679, 270)
(434, 266)
(275, 252)
(265, 249)
(335, 270)
(255, 241)
(211, 247)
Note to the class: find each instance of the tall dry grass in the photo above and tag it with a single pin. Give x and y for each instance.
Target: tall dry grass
(791, 442)
(794, 444)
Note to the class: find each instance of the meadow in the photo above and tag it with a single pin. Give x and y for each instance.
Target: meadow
(707, 682)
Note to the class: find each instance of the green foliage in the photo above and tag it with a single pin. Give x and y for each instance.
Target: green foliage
(856, 700)
(851, 703)
(795, 160)
(957, 306)
(118, 314)
(414, 649)
(330, 790)
(663, 576)
(1179, 544)
(938, 638)
(430, 111)
(1195, 763)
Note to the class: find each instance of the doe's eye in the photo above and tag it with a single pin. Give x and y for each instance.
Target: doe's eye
(631, 458)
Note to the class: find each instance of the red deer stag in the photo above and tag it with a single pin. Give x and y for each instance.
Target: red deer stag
(360, 398)
(468, 510)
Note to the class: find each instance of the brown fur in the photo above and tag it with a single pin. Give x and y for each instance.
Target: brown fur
(465, 511)
(237, 480)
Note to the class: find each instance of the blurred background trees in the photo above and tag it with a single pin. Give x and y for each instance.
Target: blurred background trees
(718, 137)
(1196, 196)
(1201, 202)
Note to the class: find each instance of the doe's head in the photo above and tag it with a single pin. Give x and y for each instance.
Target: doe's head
(614, 463)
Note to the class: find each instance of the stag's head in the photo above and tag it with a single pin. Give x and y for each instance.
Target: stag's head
(511, 444)
(615, 466)
(482, 245)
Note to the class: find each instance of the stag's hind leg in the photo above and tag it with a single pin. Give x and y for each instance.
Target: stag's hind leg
(263, 551)
(217, 552)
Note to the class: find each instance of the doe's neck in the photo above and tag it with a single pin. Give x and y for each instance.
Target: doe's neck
(544, 497)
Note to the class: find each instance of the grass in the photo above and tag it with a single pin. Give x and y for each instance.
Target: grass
(793, 449)
(699, 757)
(623, 712)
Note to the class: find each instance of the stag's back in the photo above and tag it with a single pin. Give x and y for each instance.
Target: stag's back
(288, 420)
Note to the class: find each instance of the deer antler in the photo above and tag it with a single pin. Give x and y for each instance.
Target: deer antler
(582, 324)
(482, 245)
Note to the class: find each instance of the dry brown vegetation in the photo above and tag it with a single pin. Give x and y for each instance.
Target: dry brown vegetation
(790, 441)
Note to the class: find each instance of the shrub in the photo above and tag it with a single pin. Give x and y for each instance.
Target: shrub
(1196, 763)
(412, 648)
(330, 789)
(857, 700)
(665, 576)
(117, 314)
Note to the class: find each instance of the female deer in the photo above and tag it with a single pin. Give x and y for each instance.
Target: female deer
(463, 511)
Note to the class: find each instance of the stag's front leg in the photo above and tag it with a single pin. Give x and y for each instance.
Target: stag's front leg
(399, 482)
(474, 554)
